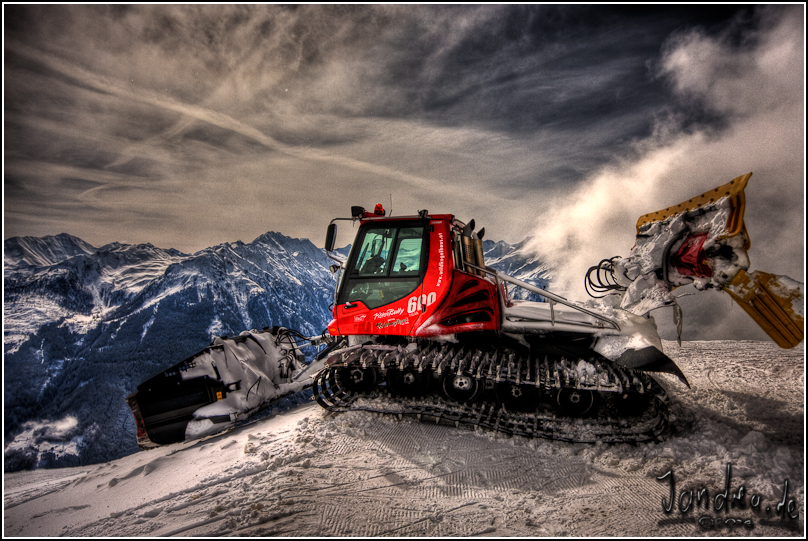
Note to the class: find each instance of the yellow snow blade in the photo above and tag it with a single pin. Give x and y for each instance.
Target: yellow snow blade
(733, 189)
(774, 302)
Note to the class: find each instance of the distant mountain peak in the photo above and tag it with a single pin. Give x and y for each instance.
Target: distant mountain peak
(113, 247)
(43, 251)
(273, 237)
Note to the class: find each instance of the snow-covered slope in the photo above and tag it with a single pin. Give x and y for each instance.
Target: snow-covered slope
(78, 287)
(310, 473)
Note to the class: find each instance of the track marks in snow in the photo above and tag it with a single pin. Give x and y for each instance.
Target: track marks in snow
(311, 473)
(62, 510)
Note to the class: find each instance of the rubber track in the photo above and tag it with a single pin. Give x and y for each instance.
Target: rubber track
(494, 367)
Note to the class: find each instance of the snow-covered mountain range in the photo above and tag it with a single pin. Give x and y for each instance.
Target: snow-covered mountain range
(514, 260)
(83, 326)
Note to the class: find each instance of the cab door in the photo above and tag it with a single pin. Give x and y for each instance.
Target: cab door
(385, 273)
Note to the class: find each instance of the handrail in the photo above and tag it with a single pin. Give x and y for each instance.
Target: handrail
(552, 296)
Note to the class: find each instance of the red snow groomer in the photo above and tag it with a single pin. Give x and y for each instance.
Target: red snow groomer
(429, 329)
(422, 326)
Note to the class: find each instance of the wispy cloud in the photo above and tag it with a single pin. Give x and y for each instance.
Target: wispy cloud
(207, 115)
(177, 115)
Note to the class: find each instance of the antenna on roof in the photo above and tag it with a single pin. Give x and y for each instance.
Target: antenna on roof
(390, 212)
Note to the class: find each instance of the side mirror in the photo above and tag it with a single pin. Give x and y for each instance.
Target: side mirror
(330, 237)
(333, 268)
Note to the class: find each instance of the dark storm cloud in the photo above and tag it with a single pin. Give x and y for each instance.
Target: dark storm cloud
(523, 67)
(194, 125)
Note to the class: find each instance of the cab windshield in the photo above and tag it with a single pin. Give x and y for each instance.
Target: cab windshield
(387, 266)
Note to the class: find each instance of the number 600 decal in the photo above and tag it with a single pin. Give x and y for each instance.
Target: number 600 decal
(426, 300)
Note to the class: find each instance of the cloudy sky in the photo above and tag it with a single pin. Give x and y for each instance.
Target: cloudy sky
(188, 126)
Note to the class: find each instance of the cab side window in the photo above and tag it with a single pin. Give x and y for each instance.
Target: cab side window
(408, 257)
